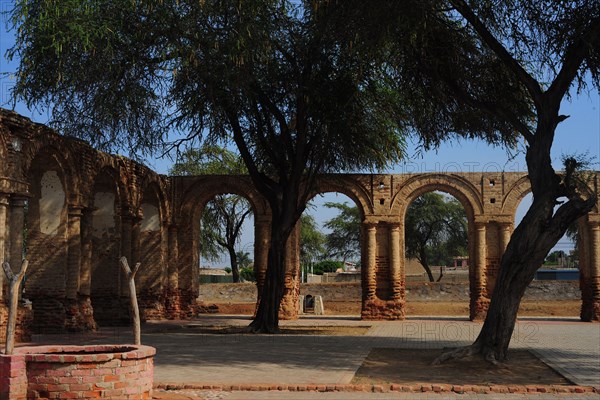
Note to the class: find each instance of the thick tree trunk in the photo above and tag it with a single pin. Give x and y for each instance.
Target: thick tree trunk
(532, 240)
(233, 262)
(266, 319)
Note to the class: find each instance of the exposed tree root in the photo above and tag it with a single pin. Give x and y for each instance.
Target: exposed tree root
(262, 328)
(487, 353)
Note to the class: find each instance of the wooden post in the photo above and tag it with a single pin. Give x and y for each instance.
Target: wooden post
(14, 282)
(130, 275)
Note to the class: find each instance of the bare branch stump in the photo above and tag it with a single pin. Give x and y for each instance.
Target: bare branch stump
(137, 337)
(14, 282)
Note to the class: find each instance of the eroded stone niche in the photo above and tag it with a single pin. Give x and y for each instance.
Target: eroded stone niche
(51, 203)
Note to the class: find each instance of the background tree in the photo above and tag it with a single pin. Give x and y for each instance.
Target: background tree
(435, 231)
(246, 268)
(344, 239)
(491, 68)
(223, 217)
(327, 266)
(312, 240)
(268, 74)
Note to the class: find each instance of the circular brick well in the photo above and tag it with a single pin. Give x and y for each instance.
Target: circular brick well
(76, 372)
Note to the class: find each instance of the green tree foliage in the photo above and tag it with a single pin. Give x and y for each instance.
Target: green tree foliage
(495, 70)
(243, 258)
(327, 266)
(223, 217)
(435, 230)
(312, 240)
(555, 256)
(269, 74)
(247, 274)
(344, 239)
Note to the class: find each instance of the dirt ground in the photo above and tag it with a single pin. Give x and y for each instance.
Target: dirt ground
(564, 308)
(407, 366)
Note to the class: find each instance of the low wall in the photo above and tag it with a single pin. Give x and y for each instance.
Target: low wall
(415, 291)
(24, 323)
(77, 372)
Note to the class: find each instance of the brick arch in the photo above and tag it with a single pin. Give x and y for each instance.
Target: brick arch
(109, 174)
(205, 189)
(464, 191)
(151, 184)
(42, 152)
(346, 185)
(516, 193)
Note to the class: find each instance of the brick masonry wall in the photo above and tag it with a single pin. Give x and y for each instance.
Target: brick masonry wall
(24, 321)
(81, 372)
(246, 292)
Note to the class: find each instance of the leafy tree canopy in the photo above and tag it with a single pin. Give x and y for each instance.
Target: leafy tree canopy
(344, 239)
(435, 230)
(312, 240)
(271, 75)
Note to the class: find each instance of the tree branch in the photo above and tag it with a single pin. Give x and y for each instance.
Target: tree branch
(530, 83)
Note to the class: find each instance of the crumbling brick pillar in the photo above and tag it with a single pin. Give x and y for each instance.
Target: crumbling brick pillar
(479, 300)
(370, 281)
(397, 266)
(370, 301)
(74, 321)
(86, 311)
(590, 274)
(3, 230)
(74, 251)
(291, 296)
(16, 223)
(172, 305)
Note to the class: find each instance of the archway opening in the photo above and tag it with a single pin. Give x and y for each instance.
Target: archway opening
(331, 253)
(226, 254)
(555, 289)
(437, 254)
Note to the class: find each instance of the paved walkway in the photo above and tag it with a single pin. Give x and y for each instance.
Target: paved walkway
(183, 356)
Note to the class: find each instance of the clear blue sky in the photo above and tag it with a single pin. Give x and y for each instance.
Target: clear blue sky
(578, 134)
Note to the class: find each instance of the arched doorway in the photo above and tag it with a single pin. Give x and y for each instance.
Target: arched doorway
(436, 256)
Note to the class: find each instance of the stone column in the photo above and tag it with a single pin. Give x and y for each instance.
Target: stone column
(371, 265)
(85, 274)
(17, 223)
(505, 233)
(3, 231)
(85, 271)
(289, 303)
(172, 298)
(591, 305)
(173, 268)
(479, 300)
(74, 251)
(395, 260)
